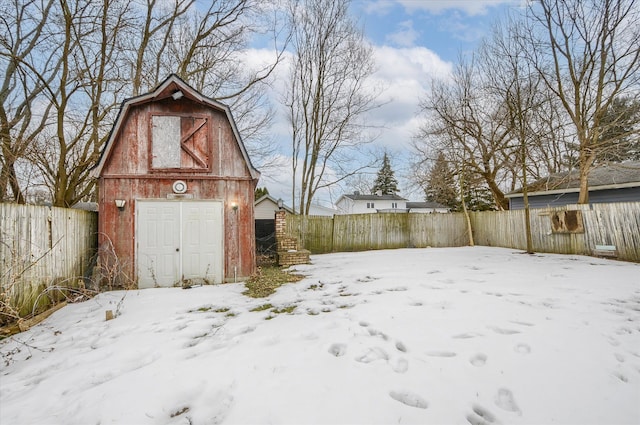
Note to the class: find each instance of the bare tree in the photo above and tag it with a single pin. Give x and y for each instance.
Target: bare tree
(515, 81)
(68, 63)
(327, 96)
(205, 47)
(587, 53)
(81, 96)
(27, 67)
(469, 123)
(152, 25)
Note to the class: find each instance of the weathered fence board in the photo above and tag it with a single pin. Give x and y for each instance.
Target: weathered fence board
(437, 230)
(360, 232)
(314, 233)
(615, 224)
(42, 246)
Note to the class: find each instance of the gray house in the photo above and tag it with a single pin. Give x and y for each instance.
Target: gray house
(607, 183)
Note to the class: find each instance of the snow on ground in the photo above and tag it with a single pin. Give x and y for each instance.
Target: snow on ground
(434, 336)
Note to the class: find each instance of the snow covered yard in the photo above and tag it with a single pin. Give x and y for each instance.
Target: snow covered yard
(434, 336)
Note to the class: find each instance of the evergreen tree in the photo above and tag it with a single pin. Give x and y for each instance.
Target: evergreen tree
(260, 192)
(620, 138)
(479, 199)
(441, 187)
(385, 181)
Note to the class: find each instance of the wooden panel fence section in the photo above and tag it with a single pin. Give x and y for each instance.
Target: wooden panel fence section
(42, 246)
(314, 233)
(437, 230)
(360, 232)
(615, 224)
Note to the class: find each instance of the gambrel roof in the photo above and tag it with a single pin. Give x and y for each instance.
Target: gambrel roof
(170, 87)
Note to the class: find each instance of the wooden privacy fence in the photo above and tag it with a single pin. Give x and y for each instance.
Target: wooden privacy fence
(616, 224)
(42, 246)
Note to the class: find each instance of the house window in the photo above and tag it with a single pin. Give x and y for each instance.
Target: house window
(394, 205)
(369, 204)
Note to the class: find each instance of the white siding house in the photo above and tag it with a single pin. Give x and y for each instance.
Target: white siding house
(362, 204)
(315, 209)
(265, 208)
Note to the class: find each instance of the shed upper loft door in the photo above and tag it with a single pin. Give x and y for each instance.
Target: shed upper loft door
(178, 241)
(180, 143)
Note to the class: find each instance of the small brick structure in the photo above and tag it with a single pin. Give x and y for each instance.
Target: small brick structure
(287, 247)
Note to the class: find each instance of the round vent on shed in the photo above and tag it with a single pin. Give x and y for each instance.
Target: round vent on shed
(179, 186)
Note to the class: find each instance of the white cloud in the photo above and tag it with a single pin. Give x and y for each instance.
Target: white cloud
(405, 36)
(461, 28)
(378, 7)
(405, 72)
(469, 7)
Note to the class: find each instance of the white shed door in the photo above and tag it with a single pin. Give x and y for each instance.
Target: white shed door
(178, 241)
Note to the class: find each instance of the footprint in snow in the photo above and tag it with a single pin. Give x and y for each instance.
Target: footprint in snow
(401, 366)
(504, 399)
(338, 349)
(375, 353)
(478, 360)
(466, 335)
(410, 399)
(441, 354)
(329, 282)
(522, 348)
(397, 289)
(622, 377)
(481, 416)
(221, 405)
(367, 279)
(517, 322)
(375, 332)
(401, 347)
(503, 331)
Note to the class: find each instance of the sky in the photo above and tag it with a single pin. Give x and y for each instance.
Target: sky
(468, 335)
(413, 41)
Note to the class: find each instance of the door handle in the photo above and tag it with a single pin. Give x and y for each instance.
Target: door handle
(177, 249)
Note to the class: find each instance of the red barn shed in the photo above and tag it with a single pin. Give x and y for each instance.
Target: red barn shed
(176, 191)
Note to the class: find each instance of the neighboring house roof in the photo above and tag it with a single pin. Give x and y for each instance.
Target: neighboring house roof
(168, 88)
(315, 209)
(270, 198)
(426, 204)
(608, 176)
(359, 197)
